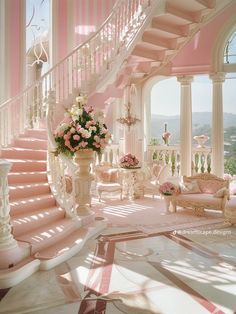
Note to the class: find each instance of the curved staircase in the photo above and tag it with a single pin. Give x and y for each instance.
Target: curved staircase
(171, 26)
(46, 237)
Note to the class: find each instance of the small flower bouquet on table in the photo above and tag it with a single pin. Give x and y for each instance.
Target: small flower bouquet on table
(168, 189)
(82, 128)
(129, 161)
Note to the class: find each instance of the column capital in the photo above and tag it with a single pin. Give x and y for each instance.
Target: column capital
(185, 79)
(218, 77)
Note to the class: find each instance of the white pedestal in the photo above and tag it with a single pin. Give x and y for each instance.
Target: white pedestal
(82, 182)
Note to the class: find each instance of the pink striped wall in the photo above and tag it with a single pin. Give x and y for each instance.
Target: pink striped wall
(89, 15)
(14, 46)
(62, 29)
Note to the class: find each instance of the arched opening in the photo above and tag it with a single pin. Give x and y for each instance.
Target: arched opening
(165, 102)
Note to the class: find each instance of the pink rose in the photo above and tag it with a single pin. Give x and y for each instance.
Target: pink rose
(76, 137)
(83, 144)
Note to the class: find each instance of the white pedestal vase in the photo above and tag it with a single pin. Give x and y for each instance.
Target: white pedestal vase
(82, 182)
(169, 200)
(201, 140)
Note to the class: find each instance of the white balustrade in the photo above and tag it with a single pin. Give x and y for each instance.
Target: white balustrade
(85, 67)
(6, 239)
(201, 158)
(60, 174)
(110, 155)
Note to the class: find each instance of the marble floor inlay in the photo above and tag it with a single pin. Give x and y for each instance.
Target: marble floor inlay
(180, 271)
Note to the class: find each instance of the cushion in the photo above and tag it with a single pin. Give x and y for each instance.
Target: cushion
(210, 186)
(106, 174)
(204, 200)
(190, 187)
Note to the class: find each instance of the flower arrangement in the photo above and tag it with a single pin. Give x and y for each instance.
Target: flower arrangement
(128, 161)
(81, 128)
(168, 188)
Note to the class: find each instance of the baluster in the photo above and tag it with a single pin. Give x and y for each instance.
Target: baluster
(196, 162)
(209, 163)
(173, 162)
(111, 156)
(202, 161)
(178, 163)
(167, 157)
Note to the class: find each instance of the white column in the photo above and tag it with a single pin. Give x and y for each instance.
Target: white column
(217, 162)
(185, 125)
(146, 120)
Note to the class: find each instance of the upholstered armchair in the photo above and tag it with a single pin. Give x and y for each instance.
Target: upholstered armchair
(107, 180)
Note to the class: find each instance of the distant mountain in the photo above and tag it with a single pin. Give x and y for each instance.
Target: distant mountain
(201, 124)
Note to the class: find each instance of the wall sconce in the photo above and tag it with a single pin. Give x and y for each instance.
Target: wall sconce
(128, 119)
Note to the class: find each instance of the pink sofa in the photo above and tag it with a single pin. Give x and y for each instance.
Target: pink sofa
(202, 191)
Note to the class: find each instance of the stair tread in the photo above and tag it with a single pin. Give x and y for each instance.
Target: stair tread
(31, 198)
(76, 238)
(26, 172)
(39, 129)
(26, 160)
(30, 139)
(36, 213)
(46, 232)
(28, 184)
(15, 148)
(28, 222)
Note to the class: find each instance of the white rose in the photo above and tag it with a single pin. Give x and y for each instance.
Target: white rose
(92, 128)
(86, 134)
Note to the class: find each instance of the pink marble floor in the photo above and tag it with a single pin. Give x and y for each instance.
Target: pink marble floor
(189, 267)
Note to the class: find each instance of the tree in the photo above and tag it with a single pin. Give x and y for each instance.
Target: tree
(230, 165)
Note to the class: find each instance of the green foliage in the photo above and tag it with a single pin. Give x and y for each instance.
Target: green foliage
(230, 165)
(154, 141)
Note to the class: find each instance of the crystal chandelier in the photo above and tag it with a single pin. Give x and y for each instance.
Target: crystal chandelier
(128, 119)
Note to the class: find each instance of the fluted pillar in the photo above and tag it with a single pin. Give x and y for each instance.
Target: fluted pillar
(62, 29)
(185, 125)
(217, 142)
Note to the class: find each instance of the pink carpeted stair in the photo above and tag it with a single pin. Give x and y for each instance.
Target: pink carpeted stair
(35, 217)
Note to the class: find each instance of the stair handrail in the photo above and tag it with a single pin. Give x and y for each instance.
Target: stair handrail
(84, 68)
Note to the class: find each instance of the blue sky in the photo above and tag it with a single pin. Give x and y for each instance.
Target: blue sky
(165, 97)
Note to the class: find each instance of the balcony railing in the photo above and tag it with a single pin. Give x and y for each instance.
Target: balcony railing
(201, 158)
